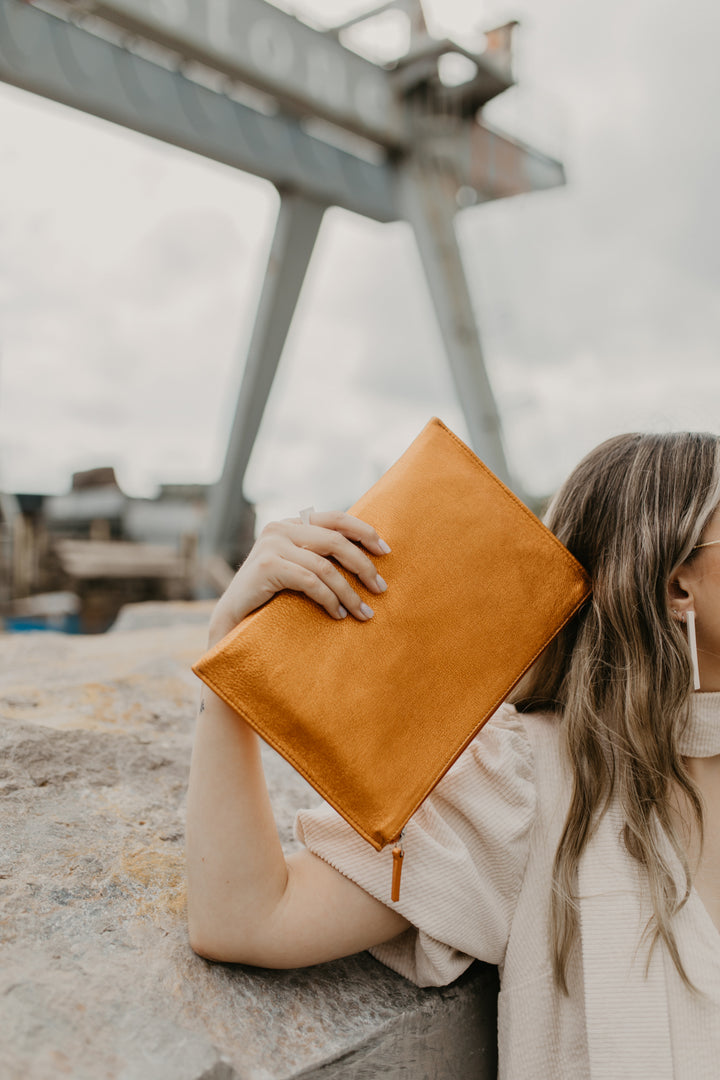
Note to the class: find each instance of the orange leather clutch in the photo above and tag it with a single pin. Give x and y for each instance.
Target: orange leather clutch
(373, 714)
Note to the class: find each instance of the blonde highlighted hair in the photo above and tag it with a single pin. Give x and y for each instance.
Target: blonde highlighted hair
(619, 674)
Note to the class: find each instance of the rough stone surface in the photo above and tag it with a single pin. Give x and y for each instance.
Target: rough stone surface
(97, 979)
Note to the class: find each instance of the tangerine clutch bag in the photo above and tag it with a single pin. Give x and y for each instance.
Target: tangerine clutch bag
(374, 713)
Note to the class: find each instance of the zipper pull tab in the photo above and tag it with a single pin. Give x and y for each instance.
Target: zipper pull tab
(398, 856)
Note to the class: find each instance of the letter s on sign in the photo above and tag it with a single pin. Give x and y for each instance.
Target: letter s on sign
(270, 46)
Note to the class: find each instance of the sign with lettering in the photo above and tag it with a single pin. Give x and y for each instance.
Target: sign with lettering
(272, 51)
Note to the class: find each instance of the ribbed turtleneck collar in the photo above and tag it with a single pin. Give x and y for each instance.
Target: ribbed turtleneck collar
(702, 736)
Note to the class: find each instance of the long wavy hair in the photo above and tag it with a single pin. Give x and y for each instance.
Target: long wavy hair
(620, 674)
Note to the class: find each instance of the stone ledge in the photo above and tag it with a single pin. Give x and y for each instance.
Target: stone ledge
(97, 979)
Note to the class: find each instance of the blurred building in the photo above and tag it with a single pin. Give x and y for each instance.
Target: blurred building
(70, 562)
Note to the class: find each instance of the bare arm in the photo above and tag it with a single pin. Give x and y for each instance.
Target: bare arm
(246, 902)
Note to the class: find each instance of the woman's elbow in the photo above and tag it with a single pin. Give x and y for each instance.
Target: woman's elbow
(203, 945)
(210, 938)
(208, 945)
(226, 942)
(219, 949)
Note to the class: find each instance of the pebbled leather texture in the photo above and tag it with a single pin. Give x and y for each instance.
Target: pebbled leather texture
(374, 714)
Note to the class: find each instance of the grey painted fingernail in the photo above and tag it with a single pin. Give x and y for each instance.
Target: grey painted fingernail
(342, 612)
(385, 548)
(382, 583)
(366, 611)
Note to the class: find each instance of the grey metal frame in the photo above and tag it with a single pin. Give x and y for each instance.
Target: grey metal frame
(418, 163)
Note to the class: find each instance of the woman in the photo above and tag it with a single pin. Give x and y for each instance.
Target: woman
(575, 843)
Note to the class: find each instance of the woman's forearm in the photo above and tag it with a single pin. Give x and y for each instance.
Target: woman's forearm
(235, 864)
(245, 902)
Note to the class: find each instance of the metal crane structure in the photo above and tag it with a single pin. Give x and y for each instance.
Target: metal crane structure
(250, 85)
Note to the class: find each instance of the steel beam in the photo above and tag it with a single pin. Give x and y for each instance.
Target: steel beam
(49, 56)
(305, 70)
(494, 165)
(262, 46)
(296, 230)
(428, 205)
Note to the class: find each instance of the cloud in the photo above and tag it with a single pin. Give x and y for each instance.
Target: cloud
(129, 272)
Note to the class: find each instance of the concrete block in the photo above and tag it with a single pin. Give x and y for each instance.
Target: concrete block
(97, 980)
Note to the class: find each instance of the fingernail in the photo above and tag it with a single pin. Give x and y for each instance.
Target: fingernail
(381, 583)
(366, 611)
(342, 612)
(385, 548)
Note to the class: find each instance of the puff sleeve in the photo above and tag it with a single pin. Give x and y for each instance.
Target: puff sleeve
(466, 849)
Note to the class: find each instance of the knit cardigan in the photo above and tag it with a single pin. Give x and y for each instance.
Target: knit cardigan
(476, 884)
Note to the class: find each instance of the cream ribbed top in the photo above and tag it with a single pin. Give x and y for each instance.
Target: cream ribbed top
(476, 884)
(702, 736)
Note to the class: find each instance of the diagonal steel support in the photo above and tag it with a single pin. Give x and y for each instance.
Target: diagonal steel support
(231, 519)
(428, 206)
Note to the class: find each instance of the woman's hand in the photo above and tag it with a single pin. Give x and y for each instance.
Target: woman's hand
(290, 554)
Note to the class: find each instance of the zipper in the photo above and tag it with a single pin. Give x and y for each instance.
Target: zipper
(398, 856)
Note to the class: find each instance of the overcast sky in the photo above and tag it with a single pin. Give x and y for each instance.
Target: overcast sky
(129, 272)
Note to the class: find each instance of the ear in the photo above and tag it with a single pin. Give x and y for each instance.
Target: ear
(680, 592)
